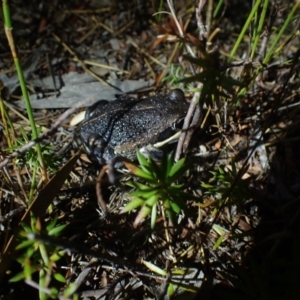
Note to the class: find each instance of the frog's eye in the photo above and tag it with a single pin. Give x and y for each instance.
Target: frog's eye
(178, 124)
(95, 109)
(173, 126)
(177, 95)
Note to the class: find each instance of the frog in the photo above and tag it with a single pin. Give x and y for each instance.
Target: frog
(120, 127)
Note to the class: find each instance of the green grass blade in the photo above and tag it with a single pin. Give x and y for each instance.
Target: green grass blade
(244, 29)
(8, 32)
(260, 27)
(279, 35)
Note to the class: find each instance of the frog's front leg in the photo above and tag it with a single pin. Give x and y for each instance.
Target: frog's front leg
(94, 145)
(154, 152)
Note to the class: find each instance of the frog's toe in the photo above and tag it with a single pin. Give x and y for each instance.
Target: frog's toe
(155, 153)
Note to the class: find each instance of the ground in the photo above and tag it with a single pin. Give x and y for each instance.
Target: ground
(223, 223)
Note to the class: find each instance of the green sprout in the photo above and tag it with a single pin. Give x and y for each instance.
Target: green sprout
(31, 156)
(35, 257)
(223, 184)
(174, 76)
(159, 186)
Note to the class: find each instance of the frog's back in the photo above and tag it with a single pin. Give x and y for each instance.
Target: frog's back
(126, 124)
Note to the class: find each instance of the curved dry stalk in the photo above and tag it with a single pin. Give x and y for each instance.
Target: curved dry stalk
(100, 199)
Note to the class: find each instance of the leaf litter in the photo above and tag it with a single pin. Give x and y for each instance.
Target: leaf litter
(217, 238)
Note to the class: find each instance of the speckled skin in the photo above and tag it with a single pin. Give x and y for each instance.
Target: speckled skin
(121, 126)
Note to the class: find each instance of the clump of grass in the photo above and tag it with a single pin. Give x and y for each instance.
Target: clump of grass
(8, 31)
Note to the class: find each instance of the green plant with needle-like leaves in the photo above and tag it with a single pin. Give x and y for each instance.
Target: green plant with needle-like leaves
(216, 84)
(34, 257)
(223, 183)
(31, 156)
(174, 75)
(159, 185)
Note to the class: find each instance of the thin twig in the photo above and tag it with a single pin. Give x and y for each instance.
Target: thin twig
(186, 125)
(12, 213)
(200, 23)
(181, 33)
(185, 137)
(144, 52)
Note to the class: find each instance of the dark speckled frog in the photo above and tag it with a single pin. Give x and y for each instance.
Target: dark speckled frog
(121, 126)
